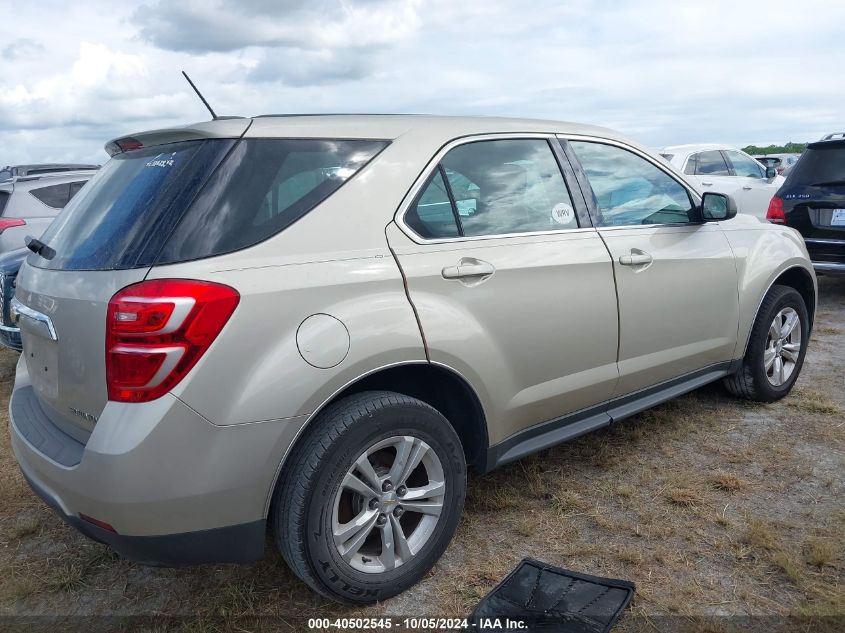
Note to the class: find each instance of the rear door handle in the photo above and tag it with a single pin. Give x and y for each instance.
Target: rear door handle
(747, 187)
(636, 258)
(469, 268)
(707, 184)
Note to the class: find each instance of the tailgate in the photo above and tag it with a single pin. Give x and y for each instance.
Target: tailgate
(63, 326)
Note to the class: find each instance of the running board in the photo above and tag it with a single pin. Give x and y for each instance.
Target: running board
(572, 425)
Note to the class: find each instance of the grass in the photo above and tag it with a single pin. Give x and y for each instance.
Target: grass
(813, 401)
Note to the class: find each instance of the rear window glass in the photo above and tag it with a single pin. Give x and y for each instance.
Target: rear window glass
(196, 199)
(820, 166)
(4, 198)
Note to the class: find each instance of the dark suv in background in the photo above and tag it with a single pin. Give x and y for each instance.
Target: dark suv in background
(812, 201)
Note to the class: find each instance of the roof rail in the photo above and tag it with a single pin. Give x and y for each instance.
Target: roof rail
(835, 135)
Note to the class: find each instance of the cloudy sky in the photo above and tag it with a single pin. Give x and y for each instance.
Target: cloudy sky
(75, 74)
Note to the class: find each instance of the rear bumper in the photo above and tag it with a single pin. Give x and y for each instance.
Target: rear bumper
(233, 544)
(176, 488)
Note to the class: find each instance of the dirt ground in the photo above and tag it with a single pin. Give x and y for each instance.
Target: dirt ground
(713, 506)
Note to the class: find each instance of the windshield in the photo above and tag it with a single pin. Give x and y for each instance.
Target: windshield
(196, 199)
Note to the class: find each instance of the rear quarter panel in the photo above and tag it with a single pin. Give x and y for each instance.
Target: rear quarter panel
(762, 253)
(333, 261)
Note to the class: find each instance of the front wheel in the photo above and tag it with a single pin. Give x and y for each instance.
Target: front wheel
(371, 497)
(776, 348)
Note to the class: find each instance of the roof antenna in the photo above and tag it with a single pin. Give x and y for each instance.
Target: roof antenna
(199, 94)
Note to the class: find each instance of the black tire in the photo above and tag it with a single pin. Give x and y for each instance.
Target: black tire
(305, 494)
(751, 382)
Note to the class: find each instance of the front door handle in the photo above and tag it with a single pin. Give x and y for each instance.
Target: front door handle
(636, 258)
(707, 184)
(469, 268)
(747, 187)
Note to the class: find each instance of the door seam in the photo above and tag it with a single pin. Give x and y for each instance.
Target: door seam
(408, 294)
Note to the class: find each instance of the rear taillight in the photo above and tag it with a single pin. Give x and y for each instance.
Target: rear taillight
(7, 223)
(157, 330)
(775, 213)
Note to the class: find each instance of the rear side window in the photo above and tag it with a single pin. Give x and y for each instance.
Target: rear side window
(75, 187)
(710, 163)
(263, 187)
(196, 199)
(821, 165)
(54, 196)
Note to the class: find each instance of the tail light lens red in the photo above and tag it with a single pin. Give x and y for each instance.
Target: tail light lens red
(775, 213)
(157, 330)
(7, 223)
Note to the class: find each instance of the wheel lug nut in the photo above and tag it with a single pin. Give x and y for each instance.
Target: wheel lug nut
(373, 504)
(401, 490)
(381, 520)
(387, 486)
(399, 511)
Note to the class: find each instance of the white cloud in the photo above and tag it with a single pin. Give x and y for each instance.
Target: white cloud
(77, 74)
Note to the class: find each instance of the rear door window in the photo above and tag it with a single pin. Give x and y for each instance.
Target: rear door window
(194, 199)
(710, 163)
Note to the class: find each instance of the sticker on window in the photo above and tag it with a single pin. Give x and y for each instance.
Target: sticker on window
(562, 213)
(162, 160)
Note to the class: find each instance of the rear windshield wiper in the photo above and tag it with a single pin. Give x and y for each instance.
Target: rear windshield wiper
(39, 248)
(829, 183)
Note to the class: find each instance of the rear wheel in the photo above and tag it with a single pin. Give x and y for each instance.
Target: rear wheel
(776, 348)
(371, 498)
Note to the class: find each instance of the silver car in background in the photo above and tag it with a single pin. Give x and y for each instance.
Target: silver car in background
(32, 195)
(316, 324)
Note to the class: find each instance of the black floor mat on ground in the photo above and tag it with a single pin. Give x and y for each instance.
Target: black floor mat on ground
(547, 598)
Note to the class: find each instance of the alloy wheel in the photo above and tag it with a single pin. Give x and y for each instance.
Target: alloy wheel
(388, 504)
(783, 346)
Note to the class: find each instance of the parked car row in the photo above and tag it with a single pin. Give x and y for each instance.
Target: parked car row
(782, 163)
(317, 324)
(31, 196)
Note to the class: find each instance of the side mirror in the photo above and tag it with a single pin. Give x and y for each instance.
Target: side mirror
(771, 171)
(717, 206)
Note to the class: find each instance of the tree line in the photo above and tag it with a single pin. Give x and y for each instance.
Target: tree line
(789, 148)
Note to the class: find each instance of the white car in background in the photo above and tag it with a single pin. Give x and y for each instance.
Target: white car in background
(727, 170)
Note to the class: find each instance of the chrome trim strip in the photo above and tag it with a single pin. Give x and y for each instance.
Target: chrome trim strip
(820, 240)
(35, 315)
(831, 267)
(10, 328)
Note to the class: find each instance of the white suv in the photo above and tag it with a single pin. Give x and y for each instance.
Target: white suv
(727, 170)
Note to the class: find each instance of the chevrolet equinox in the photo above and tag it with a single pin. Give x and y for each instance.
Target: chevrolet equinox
(315, 324)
